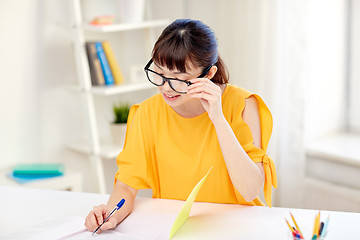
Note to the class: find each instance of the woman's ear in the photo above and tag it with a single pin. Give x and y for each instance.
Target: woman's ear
(211, 72)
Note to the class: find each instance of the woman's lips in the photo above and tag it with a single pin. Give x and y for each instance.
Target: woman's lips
(171, 97)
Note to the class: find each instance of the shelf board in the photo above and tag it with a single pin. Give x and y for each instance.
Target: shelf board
(106, 150)
(115, 89)
(118, 89)
(126, 26)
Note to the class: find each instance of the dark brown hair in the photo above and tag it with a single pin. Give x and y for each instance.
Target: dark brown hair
(187, 39)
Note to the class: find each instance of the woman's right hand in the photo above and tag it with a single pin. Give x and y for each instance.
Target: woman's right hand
(96, 217)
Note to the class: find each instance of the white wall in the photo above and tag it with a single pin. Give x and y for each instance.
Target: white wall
(354, 99)
(20, 83)
(310, 80)
(325, 85)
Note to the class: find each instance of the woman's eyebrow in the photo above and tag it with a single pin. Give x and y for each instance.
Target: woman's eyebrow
(181, 73)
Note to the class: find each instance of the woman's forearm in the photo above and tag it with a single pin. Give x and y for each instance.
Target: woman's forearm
(245, 175)
(119, 192)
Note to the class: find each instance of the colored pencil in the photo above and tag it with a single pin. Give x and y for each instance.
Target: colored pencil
(291, 229)
(296, 225)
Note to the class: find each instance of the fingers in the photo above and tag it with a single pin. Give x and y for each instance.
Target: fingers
(203, 85)
(202, 82)
(204, 89)
(95, 217)
(209, 95)
(110, 224)
(100, 212)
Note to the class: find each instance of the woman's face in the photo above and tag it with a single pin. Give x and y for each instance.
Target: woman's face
(171, 97)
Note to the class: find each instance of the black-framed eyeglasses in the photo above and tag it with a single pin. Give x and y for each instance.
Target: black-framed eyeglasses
(179, 86)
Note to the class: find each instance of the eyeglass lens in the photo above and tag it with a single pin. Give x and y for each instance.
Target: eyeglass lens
(178, 86)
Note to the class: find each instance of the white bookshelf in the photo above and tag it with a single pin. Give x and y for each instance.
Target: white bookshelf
(113, 90)
(93, 147)
(107, 150)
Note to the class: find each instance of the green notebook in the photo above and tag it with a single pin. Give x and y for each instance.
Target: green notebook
(39, 169)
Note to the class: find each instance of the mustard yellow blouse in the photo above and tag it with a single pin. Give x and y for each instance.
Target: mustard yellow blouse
(170, 154)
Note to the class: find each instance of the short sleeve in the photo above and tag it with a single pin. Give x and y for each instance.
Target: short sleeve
(134, 168)
(259, 155)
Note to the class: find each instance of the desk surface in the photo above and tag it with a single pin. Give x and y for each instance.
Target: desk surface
(22, 210)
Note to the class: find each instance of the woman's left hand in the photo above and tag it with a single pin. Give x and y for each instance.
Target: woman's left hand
(209, 94)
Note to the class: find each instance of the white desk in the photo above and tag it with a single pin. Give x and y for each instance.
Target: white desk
(22, 208)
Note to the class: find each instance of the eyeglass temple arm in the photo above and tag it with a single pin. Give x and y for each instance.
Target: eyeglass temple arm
(206, 71)
(148, 64)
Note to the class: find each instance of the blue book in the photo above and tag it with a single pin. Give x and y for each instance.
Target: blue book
(37, 169)
(28, 172)
(29, 178)
(109, 79)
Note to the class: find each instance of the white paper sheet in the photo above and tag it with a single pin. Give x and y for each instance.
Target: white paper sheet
(148, 225)
(74, 229)
(105, 235)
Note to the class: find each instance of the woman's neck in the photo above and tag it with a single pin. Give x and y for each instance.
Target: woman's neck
(191, 109)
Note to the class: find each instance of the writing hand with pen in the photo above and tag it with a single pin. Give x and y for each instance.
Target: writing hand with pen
(100, 218)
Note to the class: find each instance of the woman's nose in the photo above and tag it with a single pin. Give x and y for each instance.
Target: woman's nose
(166, 87)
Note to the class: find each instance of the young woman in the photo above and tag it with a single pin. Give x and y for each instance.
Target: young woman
(197, 120)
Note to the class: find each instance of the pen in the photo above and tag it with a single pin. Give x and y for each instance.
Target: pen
(117, 207)
(321, 228)
(323, 232)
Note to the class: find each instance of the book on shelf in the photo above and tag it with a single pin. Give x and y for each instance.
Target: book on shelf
(96, 73)
(109, 79)
(103, 20)
(114, 67)
(104, 68)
